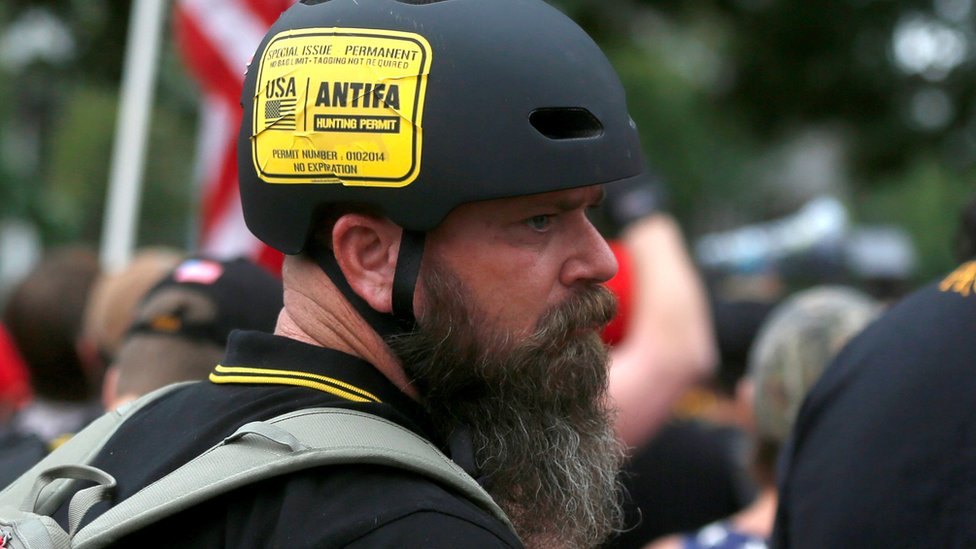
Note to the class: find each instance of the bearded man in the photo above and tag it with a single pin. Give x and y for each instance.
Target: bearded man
(428, 167)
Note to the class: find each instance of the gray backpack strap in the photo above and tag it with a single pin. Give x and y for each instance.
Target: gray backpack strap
(78, 450)
(83, 500)
(287, 443)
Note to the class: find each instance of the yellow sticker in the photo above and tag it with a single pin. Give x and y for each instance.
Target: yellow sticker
(337, 105)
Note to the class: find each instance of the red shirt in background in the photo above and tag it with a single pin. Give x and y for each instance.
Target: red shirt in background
(620, 285)
(14, 380)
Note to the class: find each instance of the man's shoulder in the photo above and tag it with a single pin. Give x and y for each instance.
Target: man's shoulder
(910, 366)
(329, 505)
(924, 336)
(354, 505)
(885, 426)
(365, 500)
(934, 310)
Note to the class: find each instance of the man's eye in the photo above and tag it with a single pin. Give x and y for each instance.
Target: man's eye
(539, 222)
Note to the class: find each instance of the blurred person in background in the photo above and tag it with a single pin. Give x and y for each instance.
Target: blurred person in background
(113, 300)
(695, 469)
(682, 472)
(179, 328)
(883, 453)
(44, 315)
(182, 325)
(662, 337)
(666, 343)
(793, 347)
(108, 309)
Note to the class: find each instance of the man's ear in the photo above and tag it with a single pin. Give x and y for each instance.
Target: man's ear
(366, 249)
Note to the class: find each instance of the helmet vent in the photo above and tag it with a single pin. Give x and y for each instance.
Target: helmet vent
(566, 123)
(313, 2)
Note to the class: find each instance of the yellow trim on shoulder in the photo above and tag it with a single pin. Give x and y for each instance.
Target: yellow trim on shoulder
(58, 441)
(288, 377)
(962, 280)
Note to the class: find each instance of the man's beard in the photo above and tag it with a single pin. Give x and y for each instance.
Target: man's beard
(535, 405)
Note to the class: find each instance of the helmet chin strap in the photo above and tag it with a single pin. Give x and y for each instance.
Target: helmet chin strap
(404, 283)
(405, 278)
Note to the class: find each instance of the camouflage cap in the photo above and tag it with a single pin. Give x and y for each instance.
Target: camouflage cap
(793, 347)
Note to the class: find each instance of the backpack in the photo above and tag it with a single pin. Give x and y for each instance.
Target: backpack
(256, 451)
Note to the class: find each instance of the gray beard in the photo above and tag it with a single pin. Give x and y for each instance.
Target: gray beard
(536, 408)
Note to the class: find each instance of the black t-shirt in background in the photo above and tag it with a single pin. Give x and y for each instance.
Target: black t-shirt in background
(884, 450)
(691, 473)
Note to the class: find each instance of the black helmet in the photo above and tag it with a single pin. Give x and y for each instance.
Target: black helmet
(417, 106)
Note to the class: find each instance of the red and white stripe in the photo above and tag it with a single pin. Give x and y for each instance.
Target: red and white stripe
(217, 39)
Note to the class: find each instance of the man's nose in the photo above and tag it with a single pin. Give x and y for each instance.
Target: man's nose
(592, 261)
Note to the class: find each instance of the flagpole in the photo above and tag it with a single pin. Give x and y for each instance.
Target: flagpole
(131, 133)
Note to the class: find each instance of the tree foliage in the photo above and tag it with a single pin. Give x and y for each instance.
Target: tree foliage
(727, 94)
(724, 89)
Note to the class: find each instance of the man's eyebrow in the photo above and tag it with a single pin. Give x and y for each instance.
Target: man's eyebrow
(581, 201)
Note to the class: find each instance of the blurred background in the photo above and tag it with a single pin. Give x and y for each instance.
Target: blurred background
(830, 140)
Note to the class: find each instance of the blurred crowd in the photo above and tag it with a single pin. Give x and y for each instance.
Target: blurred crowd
(756, 414)
(78, 341)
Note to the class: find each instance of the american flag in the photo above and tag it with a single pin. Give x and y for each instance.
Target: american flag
(198, 271)
(217, 39)
(280, 114)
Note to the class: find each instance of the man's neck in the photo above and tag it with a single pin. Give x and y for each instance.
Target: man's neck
(317, 313)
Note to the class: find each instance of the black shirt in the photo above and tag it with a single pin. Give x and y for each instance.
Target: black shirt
(690, 474)
(18, 453)
(884, 449)
(263, 376)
